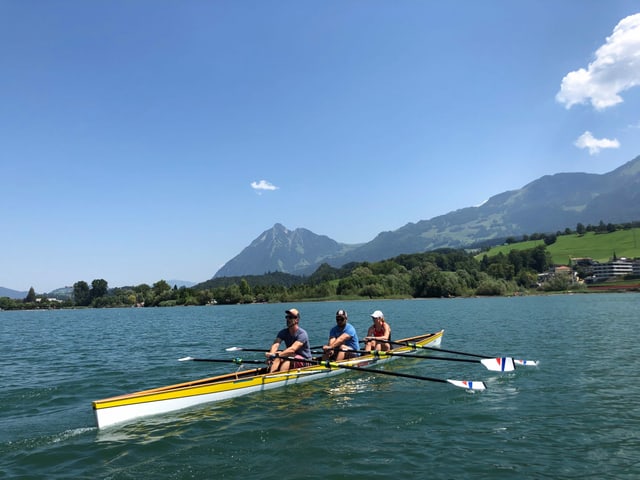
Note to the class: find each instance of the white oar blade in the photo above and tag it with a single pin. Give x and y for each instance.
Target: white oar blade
(527, 363)
(501, 364)
(185, 359)
(468, 385)
(234, 349)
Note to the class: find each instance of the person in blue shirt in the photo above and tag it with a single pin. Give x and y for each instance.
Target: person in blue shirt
(343, 339)
(296, 343)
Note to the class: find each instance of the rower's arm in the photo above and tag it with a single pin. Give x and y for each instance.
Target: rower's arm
(387, 331)
(341, 340)
(292, 349)
(274, 346)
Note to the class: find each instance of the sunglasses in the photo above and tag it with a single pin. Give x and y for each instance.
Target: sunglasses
(340, 319)
(290, 317)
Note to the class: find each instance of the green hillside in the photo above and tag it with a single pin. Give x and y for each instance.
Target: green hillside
(599, 246)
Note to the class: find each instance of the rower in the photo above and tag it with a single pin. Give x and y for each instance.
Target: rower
(379, 333)
(342, 339)
(296, 342)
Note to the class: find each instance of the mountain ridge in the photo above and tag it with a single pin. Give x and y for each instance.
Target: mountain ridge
(547, 204)
(290, 246)
(13, 294)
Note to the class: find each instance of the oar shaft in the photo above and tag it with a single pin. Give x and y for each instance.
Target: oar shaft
(242, 349)
(237, 361)
(438, 349)
(382, 372)
(457, 383)
(499, 364)
(382, 353)
(450, 359)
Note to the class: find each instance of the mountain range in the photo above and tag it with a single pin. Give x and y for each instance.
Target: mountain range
(549, 204)
(15, 294)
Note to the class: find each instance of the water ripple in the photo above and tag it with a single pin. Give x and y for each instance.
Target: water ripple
(574, 416)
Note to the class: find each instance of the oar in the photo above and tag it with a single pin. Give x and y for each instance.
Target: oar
(527, 363)
(237, 361)
(503, 364)
(243, 349)
(458, 383)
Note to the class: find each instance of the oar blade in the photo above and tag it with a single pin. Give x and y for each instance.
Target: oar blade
(185, 359)
(500, 364)
(527, 363)
(234, 349)
(468, 385)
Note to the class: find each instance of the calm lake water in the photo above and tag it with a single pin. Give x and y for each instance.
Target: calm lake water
(577, 415)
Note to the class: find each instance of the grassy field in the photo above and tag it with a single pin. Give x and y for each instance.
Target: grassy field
(600, 247)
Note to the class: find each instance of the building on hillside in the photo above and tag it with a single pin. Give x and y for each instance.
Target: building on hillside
(614, 268)
(556, 271)
(583, 265)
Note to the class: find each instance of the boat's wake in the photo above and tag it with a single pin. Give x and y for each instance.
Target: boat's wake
(74, 432)
(350, 386)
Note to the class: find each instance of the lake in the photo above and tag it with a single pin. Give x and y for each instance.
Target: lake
(576, 415)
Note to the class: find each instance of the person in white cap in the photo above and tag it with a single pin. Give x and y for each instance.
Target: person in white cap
(378, 334)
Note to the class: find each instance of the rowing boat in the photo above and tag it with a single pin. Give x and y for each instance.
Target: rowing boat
(129, 407)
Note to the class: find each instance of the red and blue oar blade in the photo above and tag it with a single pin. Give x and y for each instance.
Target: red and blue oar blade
(527, 363)
(468, 385)
(500, 364)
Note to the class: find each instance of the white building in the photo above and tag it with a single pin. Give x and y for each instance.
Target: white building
(615, 268)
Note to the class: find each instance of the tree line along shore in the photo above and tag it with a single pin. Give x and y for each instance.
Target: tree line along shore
(512, 268)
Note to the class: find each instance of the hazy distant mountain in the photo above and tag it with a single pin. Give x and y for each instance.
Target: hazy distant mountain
(549, 204)
(7, 292)
(62, 293)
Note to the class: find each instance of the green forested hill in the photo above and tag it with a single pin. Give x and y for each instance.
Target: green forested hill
(599, 246)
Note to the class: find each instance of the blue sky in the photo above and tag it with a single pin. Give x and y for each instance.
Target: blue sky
(146, 140)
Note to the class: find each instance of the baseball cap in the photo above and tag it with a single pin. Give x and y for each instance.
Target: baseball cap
(292, 311)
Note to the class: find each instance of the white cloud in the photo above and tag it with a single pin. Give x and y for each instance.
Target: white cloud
(616, 68)
(262, 185)
(587, 140)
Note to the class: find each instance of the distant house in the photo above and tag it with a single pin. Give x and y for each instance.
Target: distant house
(561, 270)
(49, 299)
(558, 270)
